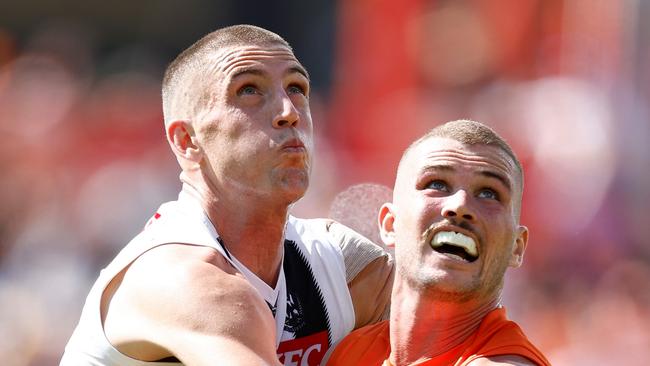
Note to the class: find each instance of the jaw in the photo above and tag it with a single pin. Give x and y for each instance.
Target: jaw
(441, 276)
(441, 286)
(291, 183)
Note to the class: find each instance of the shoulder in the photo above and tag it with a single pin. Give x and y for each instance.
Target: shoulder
(363, 346)
(174, 292)
(336, 232)
(346, 236)
(189, 276)
(177, 265)
(379, 329)
(369, 273)
(358, 251)
(502, 342)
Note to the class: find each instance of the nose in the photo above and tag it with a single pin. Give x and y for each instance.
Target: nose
(457, 206)
(288, 115)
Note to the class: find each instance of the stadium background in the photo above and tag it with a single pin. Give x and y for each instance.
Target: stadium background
(84, 162)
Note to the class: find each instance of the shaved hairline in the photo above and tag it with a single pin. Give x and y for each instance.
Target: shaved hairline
(470, 133)
(180, 92)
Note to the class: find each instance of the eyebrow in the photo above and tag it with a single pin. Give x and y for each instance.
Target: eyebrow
(247, 71)
(500, 177)
(256, 71)
(446, 168)
(486, 173)
(300, 70)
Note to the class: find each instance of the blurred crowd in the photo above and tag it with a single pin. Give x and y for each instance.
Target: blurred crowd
(84, 159)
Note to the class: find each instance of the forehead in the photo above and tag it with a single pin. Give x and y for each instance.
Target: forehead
(438, 151)
(232, 59)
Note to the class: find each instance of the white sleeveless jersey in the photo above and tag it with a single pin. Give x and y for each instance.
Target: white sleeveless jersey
(311, 301)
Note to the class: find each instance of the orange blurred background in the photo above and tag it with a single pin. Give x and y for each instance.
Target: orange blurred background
(84, 160)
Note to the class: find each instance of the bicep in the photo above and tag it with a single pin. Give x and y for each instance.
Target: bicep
(230, 326)
(181, 301)
(369, 272)
(371, 290)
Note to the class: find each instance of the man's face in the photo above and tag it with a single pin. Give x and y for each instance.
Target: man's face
(256, 127)
(453, 219)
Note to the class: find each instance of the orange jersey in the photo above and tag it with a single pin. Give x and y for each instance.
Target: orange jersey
(495, 336)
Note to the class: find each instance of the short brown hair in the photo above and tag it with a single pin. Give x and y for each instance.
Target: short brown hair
(187, 67)
(472, 133)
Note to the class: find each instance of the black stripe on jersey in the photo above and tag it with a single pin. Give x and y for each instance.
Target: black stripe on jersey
(169, 359)
(306, 311)
(271, 307)
(224, 247)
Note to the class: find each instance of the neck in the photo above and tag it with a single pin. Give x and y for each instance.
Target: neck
(252, 230)
(422, 327)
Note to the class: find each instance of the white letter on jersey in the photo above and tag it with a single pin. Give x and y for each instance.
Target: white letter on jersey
(305, 357)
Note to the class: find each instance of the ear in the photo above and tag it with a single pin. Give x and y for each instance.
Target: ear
(386, 221)
(519, 247)
(180, 136)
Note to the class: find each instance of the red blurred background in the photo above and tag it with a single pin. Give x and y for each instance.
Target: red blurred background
(84, 161)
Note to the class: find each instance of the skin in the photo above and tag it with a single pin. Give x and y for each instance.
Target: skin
(438, 300)
(250, 151)
(245, 155)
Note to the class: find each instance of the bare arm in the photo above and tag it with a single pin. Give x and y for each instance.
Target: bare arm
(186, 301)
(369, 273)
(370, 291)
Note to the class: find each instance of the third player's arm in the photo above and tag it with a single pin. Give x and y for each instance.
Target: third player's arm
(369, 272)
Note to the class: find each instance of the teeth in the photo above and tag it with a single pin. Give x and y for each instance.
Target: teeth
(457, 239)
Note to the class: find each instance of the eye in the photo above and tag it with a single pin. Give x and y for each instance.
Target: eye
(438, 185)
(488, 194)
(296, 89)
(247, 90)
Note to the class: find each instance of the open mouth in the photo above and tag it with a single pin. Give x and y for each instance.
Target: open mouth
(455, 245)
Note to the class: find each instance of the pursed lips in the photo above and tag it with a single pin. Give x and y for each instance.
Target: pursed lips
(293, 145)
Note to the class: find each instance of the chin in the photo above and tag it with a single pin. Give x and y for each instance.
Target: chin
(291, 184)
(295, 181)
(454, 297)
(294, 197)
(293, 192)
(446, 289)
